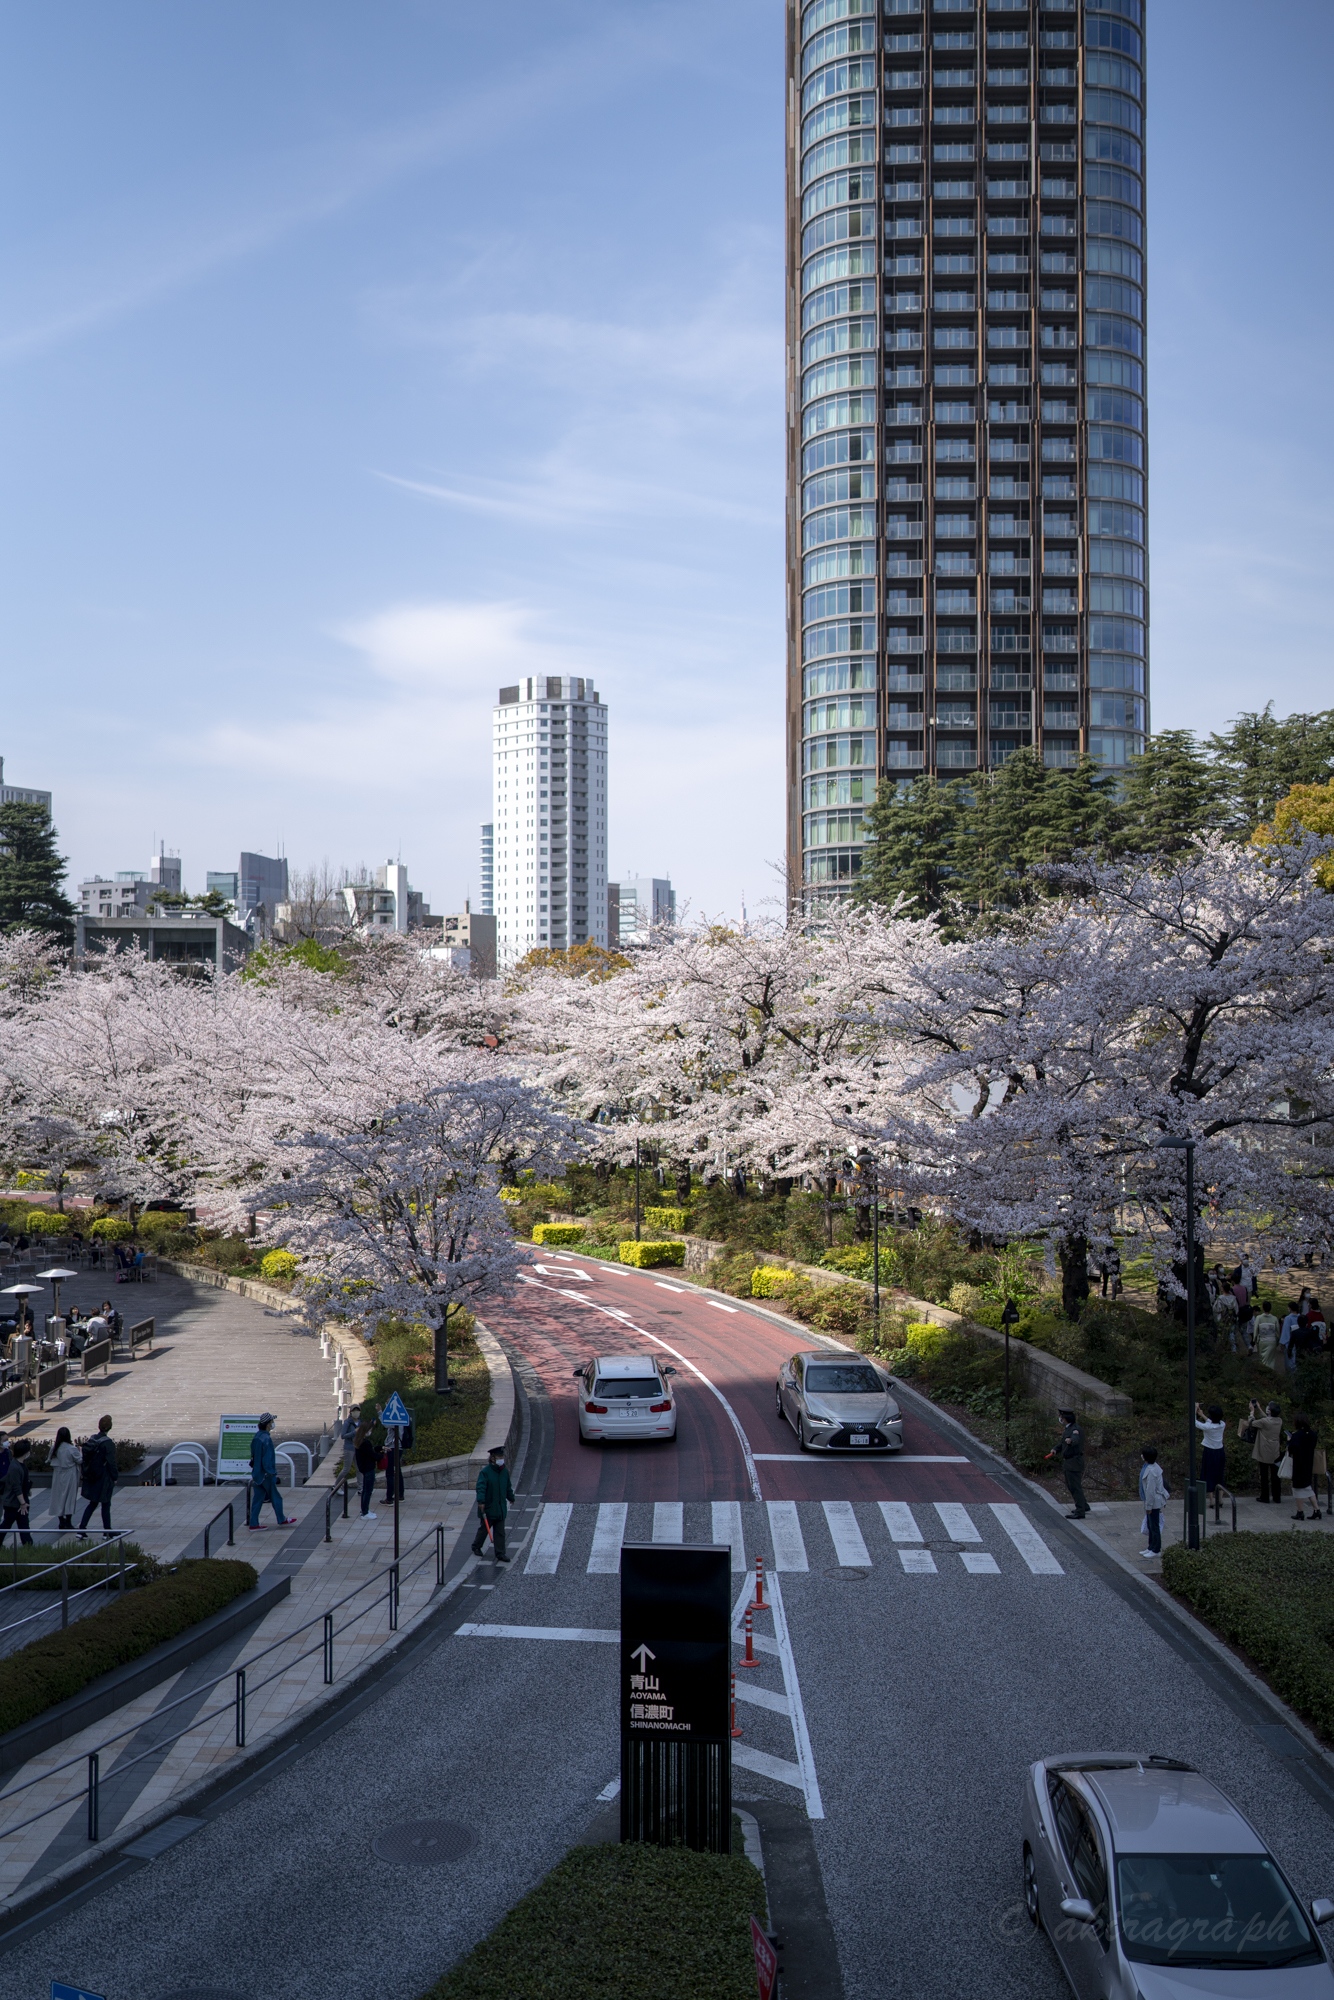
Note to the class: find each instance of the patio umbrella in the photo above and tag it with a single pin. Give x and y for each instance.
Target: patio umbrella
(55, 1276)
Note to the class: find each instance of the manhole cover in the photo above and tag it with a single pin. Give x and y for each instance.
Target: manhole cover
(424, 1843)
(849, 1575)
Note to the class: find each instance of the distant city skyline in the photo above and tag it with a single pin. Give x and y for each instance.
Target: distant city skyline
(323, 419)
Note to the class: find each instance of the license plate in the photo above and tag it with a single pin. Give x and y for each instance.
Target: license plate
(859, 1437)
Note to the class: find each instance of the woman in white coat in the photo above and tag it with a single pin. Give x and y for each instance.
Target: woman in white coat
(65, 1463)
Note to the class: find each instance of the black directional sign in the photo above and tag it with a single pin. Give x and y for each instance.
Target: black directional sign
(676, 1759)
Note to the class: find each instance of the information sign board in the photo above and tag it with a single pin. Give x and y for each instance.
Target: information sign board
(676, 1750)
(766, 1962)
(234, 1435)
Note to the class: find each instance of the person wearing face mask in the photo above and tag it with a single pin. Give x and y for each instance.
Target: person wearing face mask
(494, 1493)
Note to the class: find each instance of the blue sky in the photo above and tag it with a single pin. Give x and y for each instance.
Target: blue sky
(355, 360)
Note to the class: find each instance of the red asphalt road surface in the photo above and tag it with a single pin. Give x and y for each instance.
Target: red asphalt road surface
(739, 1353)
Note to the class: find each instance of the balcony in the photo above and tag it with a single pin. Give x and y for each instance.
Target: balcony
(1001, 563)
(956, 642)
(956, 563)
(956, 757)
(1056, 681)
(1060, 642)
(1010, 642)
(1059, 562)
(1004, 717)
(1062, 716)
(1007, 680)
(956, 680)
(903, 531)
(903, 566)
(900, 681)
(903, 378)
(1002, 450)
(903, 454)
(903, 642)
(904, 302)
(904, 225)
(903, 267)
(903, 760)
(903, 339)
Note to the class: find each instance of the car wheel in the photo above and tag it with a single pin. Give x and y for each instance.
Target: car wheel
(802, 1438)
(583, 1439)
(1031, 1889)
(779, 1411)
(672, 1439)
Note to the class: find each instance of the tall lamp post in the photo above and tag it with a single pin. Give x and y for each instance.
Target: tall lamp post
(875, 1233)
(637, 1211)
(1187, 1146)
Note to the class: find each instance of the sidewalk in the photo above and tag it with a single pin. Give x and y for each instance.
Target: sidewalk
(1117, 1523)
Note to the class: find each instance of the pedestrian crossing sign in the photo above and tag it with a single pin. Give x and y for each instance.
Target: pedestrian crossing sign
(395, 1413)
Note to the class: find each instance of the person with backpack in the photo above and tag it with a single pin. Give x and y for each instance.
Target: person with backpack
(99, 1473)
(264, 1476)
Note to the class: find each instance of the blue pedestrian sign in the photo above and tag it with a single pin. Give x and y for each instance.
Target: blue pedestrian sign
(59, 1991)
(395, 1413)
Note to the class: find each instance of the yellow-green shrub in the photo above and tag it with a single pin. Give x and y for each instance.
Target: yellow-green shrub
(558, 1232)
(163, 1219)
(112, 1229)
(646, 1254)
(923, 1337)
(41, 1222)
(769, 1281)
(278, 1267)
(667, 1218)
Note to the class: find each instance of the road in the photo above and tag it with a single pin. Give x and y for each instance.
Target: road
(935, 1627)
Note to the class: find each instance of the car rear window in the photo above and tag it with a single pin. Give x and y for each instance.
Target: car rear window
(1216, 1910)
(625, 1386)
(838, 1379)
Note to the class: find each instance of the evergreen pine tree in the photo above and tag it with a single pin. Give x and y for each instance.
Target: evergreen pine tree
(912, 849)
(1167, 797)
(31, 873)
(1260, 757)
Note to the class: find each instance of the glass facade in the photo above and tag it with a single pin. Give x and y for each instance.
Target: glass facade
(968, 455)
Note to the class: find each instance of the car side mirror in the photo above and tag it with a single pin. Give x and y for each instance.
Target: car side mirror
(669, 1371)
(1322, 1909)
(578, 1374)
(1078, 1909)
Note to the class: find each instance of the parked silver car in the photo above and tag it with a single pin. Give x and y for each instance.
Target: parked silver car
(838, 1405)
(1152, 1886)
(625, 1396)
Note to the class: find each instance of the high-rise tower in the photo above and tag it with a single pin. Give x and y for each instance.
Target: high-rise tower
(549, 819)
(967, 567)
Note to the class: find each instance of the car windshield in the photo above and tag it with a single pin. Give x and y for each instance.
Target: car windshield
(1196, 1909)
(622, 1386)
(834, 1379)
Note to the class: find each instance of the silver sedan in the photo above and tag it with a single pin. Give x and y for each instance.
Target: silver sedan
(1152, 1886)
(838, 1405)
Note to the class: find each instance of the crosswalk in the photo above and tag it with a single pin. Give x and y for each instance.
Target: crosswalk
(918, 1539)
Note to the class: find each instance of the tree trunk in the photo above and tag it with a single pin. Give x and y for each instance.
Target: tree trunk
(443, 1385)
(830, 1183)
(683, 1184)
(1074, 1275)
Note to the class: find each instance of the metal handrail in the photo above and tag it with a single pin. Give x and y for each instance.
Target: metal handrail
(341, 1480)
(395, 1573)
(66, 1597)
(119, 1535)
(1219, 1491)
(230, 1511)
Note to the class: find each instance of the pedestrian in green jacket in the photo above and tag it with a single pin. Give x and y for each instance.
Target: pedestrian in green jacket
(494, 1494)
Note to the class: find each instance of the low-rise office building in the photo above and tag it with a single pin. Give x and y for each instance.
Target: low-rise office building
(190, 941)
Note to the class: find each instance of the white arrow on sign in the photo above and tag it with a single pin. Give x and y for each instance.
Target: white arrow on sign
(643, 1655)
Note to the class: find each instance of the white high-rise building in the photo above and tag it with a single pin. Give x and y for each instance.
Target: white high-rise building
(549, 750)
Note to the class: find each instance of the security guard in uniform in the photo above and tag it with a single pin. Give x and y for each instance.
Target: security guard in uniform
(1071, 1449)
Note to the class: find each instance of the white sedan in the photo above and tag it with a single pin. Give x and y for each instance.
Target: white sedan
(623, 1397)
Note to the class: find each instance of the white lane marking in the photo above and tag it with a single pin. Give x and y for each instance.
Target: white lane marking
(676, 1354)
(833, 1458)
(899, 1520)
(771, 1767)
(566, 1293)
(1026, 1539)
(610, 1791)
(549, 1540)
(608, 1535)
(669, 1521)
(763, 1698)
(785, 1528)
(849, 1547)
(718, 1306)
(727, 1528)
(801, 1735)
(539, 1632)
(663, 1286)
(957, 1521)
(918, 1562)
(978, 1563)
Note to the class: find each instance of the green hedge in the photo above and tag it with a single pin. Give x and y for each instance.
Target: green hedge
(52, 1669)
(645, 1254)
(667, 1218)
(558, 1232)
(622, 1923)
(1272, 1595)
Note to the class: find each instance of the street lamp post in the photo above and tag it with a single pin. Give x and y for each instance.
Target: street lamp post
(875, 1234)
(1009, 1314)
(1187, 1146)
(636, 1187)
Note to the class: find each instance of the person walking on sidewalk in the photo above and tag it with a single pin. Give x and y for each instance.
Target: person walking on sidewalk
(494, 1494)
(1153, 1492)
(264, 1475)
(1264, 1430)
(1264, 1329)
(64, 1478)
(16, 1493)
(1302, 1442)
(364, 1457)
(99, 1472)
(1071, 1449)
